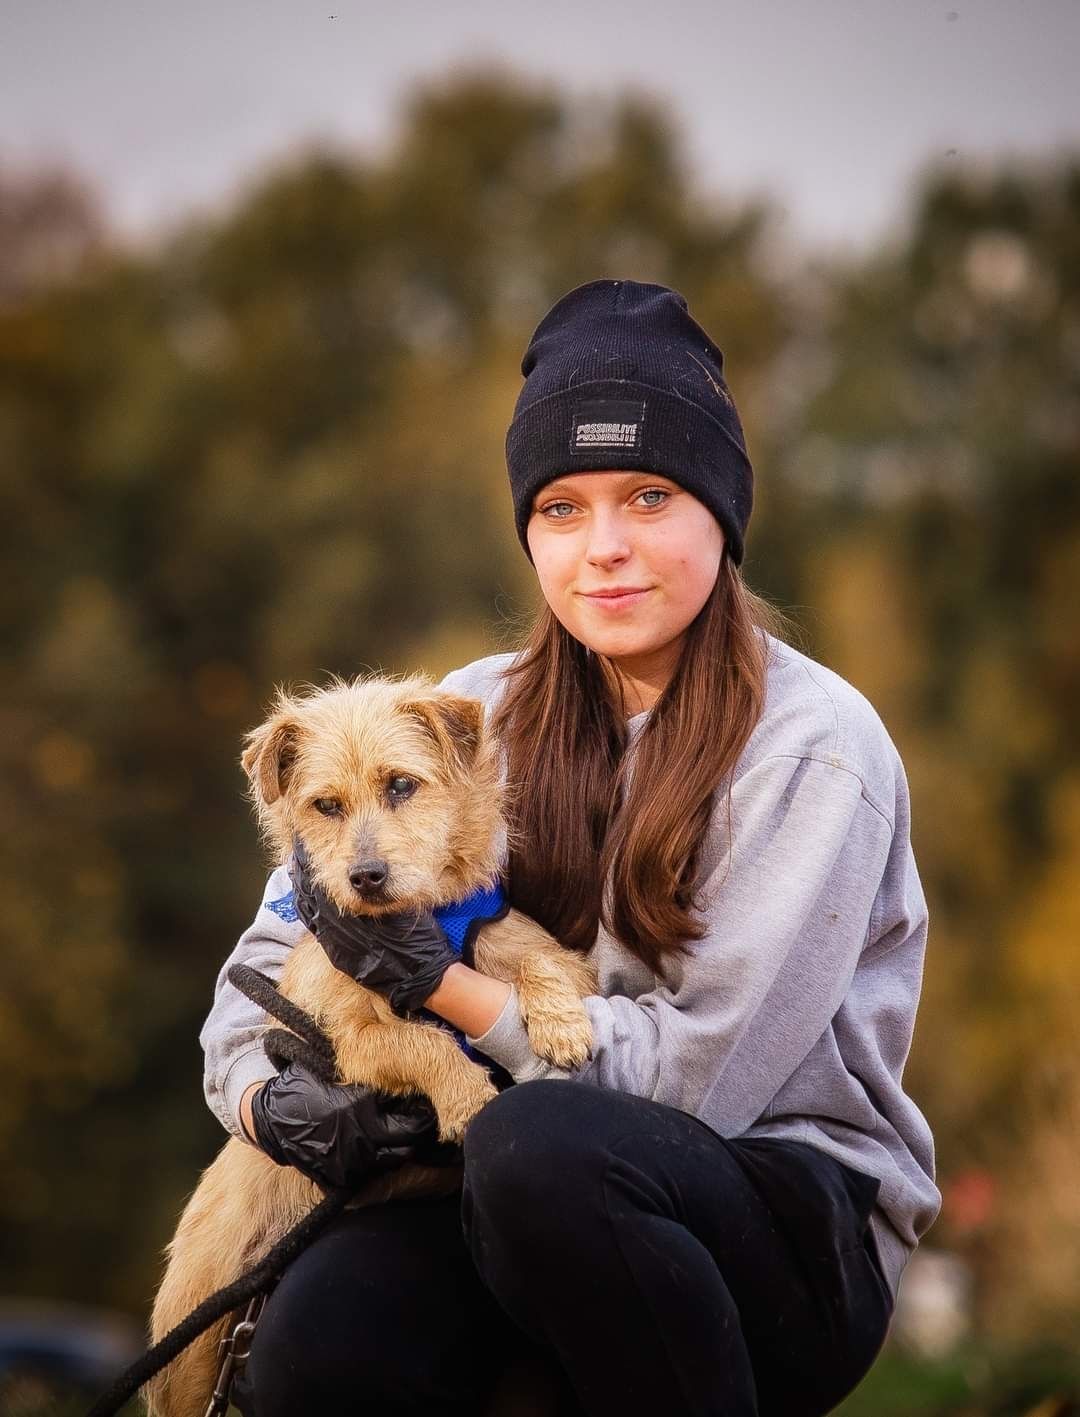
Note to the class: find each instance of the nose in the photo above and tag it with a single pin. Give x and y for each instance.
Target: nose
(607, 538)
(368, 875)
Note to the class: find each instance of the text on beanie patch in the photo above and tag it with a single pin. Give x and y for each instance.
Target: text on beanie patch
(607, 423)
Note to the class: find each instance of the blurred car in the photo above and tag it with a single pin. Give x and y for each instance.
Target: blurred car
(54, 1354)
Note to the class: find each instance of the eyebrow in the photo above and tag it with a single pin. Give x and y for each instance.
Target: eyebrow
(562, 484)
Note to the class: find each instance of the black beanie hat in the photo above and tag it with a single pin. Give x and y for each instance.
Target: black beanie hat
(618, 375)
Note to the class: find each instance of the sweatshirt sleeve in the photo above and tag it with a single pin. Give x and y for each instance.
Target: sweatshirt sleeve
(787, 914)
(231, 1037)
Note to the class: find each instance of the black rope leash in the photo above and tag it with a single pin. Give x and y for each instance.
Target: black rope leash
(302, 1040)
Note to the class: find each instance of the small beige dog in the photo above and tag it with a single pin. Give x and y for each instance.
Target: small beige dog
(397, 769)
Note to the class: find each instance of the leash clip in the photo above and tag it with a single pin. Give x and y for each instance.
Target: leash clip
(234, 1349)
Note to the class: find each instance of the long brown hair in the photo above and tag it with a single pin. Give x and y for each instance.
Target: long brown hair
(565, 740)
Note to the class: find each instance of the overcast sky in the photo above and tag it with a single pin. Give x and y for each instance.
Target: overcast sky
(829, 105)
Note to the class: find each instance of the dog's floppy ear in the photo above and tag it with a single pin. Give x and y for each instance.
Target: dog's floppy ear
(269, 755)
(456, 724)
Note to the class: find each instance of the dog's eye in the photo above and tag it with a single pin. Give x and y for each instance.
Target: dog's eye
(402, 787)
(328, 806)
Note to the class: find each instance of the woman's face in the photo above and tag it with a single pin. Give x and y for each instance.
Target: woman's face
(591, 532)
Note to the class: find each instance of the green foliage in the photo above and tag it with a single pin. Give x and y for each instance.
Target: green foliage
(1038, 1381)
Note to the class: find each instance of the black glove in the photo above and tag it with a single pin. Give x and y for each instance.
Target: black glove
(402, 956)
(339, 1136)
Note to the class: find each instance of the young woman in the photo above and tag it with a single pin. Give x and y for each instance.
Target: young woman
(713, 1213)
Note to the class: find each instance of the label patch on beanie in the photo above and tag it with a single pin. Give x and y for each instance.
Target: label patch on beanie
(607, 423)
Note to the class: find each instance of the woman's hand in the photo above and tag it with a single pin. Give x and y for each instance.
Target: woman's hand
(403, 956)
(340, 1136)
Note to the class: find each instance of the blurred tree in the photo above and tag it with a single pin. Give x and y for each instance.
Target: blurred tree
(934, 477)
(270, 449)
(51, 229)
(273, 447)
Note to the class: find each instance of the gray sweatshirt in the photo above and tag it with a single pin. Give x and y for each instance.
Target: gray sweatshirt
(793, 1017)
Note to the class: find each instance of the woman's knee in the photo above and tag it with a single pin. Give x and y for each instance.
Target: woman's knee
(538, 1151)
(530, 1134)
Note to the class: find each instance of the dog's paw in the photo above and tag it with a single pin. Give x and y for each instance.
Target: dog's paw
(562, 1037)
(456, 1113)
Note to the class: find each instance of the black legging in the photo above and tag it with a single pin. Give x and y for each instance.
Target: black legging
(637, 1260)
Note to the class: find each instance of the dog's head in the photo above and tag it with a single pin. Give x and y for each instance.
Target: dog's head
(392, 785)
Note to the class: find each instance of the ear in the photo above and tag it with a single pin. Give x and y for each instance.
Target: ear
(269, 755)
(456, 724)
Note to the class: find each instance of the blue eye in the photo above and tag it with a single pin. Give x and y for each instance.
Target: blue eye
(645, 492)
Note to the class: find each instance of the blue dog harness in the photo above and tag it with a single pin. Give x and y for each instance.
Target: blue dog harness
(460, 921)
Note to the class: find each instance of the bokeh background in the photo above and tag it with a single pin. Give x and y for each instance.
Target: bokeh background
(267, 273)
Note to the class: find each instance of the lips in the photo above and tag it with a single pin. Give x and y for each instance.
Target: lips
(617, 599)
(617, 590)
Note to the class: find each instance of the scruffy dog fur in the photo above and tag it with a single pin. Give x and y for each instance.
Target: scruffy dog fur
(399, 771)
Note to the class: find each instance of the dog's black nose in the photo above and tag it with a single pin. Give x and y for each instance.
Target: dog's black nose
(368, 875)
